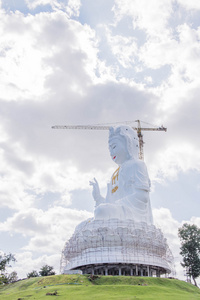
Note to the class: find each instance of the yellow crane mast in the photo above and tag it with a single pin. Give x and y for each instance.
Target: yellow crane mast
(139, 130)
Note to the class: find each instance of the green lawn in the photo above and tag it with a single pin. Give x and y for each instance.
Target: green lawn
(82, 287)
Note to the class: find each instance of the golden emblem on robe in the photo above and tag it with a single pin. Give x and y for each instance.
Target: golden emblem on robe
(115, 179)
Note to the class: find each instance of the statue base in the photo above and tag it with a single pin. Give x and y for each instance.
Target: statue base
(117, 247)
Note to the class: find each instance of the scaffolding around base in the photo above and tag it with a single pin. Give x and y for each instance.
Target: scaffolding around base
(117, 247)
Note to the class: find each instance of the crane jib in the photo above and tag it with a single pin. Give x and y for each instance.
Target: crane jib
(96, 127)
(139, 130)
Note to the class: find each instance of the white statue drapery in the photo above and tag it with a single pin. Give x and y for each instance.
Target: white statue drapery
(128, 191)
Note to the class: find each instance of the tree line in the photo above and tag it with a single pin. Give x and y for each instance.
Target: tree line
(5, 277)
(44, 271)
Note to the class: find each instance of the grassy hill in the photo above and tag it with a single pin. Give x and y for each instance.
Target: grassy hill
(85, 287)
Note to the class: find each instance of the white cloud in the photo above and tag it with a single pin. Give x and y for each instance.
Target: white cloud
(163, 219)
(175, 159)
(22, 70)
(148, 79)
(176, 46)
(26, 222)
(151, 16)
(36, 221)
(32, 4)
(48, 231)
(35, 47)
(191, 5)
(72, 7)
(181, 54)
(123, 48)
(194, 220)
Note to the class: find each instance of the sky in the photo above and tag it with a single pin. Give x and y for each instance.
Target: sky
(89, 62)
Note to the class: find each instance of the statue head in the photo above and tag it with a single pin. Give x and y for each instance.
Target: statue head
(125, 139)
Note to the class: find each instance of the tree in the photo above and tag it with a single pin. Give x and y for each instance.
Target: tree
(5, 260)
(46, 271)
(32, 274)
(12, 277)
(190, 249)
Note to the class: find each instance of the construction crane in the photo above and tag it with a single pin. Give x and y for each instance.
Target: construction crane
(139, 130)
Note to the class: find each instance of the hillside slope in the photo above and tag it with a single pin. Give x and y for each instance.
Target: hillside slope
(82, 287)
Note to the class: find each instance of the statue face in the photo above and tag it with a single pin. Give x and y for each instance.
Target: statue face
(118, 150)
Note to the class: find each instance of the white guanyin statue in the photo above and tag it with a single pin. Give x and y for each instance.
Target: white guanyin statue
(128, 191)
(120, 239)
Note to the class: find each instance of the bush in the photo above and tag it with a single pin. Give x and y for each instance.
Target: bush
(32, 274)
(46, 271)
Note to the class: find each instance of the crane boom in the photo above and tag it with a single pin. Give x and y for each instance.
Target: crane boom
(139, 130)
(90, 127)
(102, 127)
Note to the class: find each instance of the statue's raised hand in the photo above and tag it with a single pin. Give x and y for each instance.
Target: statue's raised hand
(96, 192)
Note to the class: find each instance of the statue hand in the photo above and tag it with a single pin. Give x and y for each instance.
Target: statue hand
(96, 192)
